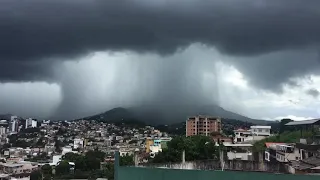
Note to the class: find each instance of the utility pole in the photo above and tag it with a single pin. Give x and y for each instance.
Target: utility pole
(183, 158)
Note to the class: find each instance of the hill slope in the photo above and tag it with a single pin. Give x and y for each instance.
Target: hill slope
(153, 116)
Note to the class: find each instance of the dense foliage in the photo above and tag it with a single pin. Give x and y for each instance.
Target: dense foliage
(196, 148)
(87, 166)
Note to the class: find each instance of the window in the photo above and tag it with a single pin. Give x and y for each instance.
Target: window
(267, 156)
(260, 130)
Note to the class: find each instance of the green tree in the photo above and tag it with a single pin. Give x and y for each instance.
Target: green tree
(58, 145)
(63, 168)
(36, 175)
(71, 157)
(46, 169)
(81, 163)
(282, 125)
(127, 160)
(195, 147)
(96, 154)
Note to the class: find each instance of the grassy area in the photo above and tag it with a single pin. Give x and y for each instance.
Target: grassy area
(286, 137)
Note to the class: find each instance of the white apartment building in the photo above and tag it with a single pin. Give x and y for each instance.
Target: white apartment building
(13, 127)
(28, 122)
(78, 143)
(285, 153)
(3, 130)
(239, 151)
(255, 133)
(31, 123)
(34, 123)
(261, 130)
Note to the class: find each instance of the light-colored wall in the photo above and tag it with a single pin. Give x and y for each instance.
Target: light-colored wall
(242, 156)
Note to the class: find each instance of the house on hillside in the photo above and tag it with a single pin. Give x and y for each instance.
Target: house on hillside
(255, 133)
(280, 152)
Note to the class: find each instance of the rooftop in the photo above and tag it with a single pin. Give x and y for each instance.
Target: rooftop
(260, 127)
(268, 144)
(306, 122)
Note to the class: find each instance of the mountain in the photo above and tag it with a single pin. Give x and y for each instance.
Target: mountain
(116, 114)
(152, 115)
(8, 117)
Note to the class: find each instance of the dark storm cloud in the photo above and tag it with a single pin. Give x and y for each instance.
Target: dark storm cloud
(37, 29)
(269, 41)
(313, 92)
(270, 71)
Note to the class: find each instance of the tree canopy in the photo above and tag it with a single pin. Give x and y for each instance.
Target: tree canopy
(195, 147)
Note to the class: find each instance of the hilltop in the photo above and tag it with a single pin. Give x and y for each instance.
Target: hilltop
(152, 116)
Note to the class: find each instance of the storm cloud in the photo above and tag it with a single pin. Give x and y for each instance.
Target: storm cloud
(269, 41)
(313, 92)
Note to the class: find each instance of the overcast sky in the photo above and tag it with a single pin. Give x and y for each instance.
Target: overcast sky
(68, 59)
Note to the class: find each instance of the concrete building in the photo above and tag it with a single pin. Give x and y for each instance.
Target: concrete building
(149, 142)
(255, 133)
(31, 123)
(285, 153)
(280, 152)
(239, 151)
(28, 123)
(3, 130)
(261, 130)
(18, 170)
(202, 125)
(34, 123)
(14, 124)
(78, 143)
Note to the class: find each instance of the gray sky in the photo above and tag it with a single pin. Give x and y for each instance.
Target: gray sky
(67, 59)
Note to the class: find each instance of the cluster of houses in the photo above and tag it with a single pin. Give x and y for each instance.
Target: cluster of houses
(302, 157)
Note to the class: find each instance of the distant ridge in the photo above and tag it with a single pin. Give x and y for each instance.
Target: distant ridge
(153, 116)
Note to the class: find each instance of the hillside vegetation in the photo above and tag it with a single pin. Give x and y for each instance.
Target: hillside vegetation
(285, 137)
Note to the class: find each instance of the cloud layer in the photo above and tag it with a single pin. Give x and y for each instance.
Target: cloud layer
(36, 30)
(166, 47)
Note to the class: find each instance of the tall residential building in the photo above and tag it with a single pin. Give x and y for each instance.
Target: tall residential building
(3, 130)
(202, 125)
(34, 123)
(31, 123)
(28, 122)
(14, 124)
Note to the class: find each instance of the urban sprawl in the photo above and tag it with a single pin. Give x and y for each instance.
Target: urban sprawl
(33, 149)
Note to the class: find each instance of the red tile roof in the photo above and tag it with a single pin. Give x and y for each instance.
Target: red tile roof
(268, 144)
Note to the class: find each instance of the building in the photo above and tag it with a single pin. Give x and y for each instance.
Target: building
(3, 130)
(280, 152)
(202, 125)
(149, 142)
(255, 133)
(14, 124)
(34, 123)
(241, 135)
(78, 143)
(285, 153)
(28, 123)
(31, 123)
(239, 151)
(21, 169)
(261, 130)
(219, 138)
